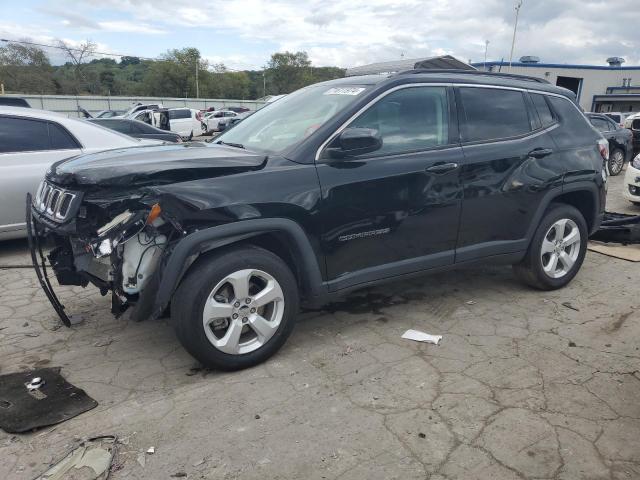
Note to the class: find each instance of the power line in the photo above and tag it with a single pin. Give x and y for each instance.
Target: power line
(24, 42)
(157, 59)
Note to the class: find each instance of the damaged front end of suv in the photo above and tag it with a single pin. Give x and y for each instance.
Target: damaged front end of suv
(109, 223)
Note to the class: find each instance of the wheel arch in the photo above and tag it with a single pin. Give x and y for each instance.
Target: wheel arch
(282, 237)
(584, 196)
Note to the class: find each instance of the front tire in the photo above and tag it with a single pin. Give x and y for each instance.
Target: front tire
(235, 309)
(557, 249)
(616, 162)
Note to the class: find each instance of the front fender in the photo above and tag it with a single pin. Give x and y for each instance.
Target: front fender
(190, 247)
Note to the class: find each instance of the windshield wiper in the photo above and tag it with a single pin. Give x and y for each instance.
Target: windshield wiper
(231, 144)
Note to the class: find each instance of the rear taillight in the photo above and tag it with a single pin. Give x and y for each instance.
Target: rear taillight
(603, 147)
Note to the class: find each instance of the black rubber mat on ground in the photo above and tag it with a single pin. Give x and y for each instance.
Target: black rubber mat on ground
(54, 402)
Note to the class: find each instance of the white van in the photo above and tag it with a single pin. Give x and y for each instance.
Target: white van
(183, 121)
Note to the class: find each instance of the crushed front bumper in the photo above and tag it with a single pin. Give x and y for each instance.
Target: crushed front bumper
(34, 230)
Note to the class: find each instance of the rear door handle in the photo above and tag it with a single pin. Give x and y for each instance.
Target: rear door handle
(540, 152)
(442, 167)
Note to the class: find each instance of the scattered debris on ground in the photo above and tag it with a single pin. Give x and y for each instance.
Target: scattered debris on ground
(570, 306)
(39, 398)
(419, 336)
(91, 460)
(630, 253)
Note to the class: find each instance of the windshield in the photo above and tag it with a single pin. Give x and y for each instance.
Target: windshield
(281, 124)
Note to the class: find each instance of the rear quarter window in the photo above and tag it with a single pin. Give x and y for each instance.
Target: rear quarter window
(60, 138)
(542, 107)
(492, 114)
(575, 129)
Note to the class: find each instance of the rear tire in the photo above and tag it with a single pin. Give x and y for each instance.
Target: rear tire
(616, 162)
(556, 251)
(210, 307)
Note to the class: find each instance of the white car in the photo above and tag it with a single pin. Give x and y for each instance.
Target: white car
(631, 188)
(133, 111)
(186, 122)
(618, 117)
(30, 141)
(212, 119)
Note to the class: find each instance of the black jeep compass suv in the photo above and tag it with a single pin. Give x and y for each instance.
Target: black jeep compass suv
(337, 186)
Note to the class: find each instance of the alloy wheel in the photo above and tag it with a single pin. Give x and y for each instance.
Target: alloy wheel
(243, 311)
(616, 162)
(560, 248)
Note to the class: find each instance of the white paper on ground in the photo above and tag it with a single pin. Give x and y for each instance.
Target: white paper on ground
(419, 336)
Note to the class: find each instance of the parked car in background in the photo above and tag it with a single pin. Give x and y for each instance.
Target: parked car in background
(30, 141)
(211, 121)
(632, 122)
(620, 141)
(618, 117)
(186, 122)
(13, 102)
(131, 113)
(108, 114)
(137, 129)
(237, 109)
(227, 122)
(338, 186)
(84, 113)
(631, 187)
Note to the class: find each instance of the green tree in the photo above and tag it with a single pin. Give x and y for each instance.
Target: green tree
(287, 72)
(174, 74)
(26, 69)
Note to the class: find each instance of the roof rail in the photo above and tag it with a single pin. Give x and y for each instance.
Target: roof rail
(475, 72)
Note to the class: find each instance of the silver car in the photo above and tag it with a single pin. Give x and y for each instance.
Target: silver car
(30, 141)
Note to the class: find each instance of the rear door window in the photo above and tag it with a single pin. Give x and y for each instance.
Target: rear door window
(60, 138)
(542, 107)
(118, 126)
(139, 127)
(177, 114)
(23, 135)
(492, 114)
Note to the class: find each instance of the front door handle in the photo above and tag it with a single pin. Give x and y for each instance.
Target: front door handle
(442, 167)
(540, 152)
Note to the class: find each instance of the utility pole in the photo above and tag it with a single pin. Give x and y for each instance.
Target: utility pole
(486, 47)
(264, 84)
(197, 84)
(515, 28)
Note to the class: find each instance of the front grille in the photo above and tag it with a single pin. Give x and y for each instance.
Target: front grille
(54, 202)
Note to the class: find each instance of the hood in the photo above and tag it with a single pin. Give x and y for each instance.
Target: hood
(154, 165)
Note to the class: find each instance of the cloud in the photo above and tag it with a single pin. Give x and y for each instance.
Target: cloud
(83, 23)
(124, 26)
(355, 32)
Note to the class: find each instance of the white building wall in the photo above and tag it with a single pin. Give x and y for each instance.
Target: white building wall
(595, 82)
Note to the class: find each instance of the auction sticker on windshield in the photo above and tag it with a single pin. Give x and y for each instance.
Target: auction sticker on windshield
(344, 91)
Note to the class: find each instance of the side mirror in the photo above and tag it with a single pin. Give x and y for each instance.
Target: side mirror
(355, 141)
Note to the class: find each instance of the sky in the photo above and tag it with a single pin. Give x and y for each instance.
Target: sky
(243, 34)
